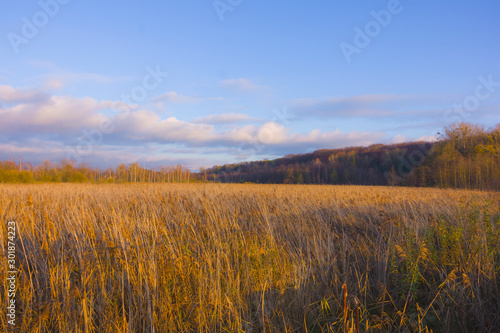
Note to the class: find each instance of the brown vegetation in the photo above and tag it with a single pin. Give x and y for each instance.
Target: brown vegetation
(252, 258)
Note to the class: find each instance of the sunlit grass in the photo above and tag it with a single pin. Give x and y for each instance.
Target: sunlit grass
(250, 258)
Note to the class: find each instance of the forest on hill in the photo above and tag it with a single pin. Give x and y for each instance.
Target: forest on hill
(465, 156)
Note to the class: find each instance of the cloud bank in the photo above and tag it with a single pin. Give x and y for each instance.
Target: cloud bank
(36, 123)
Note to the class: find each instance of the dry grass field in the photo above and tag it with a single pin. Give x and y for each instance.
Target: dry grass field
(251, 258)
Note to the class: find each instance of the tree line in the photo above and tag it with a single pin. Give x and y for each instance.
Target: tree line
(67, 172)
(465, 156)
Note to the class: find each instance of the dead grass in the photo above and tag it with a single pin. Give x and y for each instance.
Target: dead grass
(250, 258)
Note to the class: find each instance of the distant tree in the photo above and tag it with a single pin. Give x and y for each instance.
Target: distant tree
(334, 177)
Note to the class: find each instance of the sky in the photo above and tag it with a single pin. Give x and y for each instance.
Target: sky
(202, 82)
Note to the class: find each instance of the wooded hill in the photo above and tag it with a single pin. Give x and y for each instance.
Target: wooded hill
(466, 156)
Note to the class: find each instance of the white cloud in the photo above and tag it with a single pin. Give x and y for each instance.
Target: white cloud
(337, 138)
(399, 138)
(175, 98)
(347, 107)
(65, 113)
(56, 79)
(55, 114)
(9, 148)
(10, 95)
(54, 84)
(146, 125)
(62, 118)
(242, 85)
(224, 118)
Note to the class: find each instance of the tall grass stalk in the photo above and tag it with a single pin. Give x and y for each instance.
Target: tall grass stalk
(250, 258)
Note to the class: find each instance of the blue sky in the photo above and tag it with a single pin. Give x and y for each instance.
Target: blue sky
(204, 83)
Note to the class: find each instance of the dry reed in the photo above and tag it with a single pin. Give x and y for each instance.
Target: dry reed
(250, 258)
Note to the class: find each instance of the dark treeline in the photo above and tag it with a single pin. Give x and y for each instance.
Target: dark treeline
(68, 172)
(466, 156)
(374, 165)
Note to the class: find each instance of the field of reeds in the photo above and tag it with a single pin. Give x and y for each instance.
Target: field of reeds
(251, 258)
